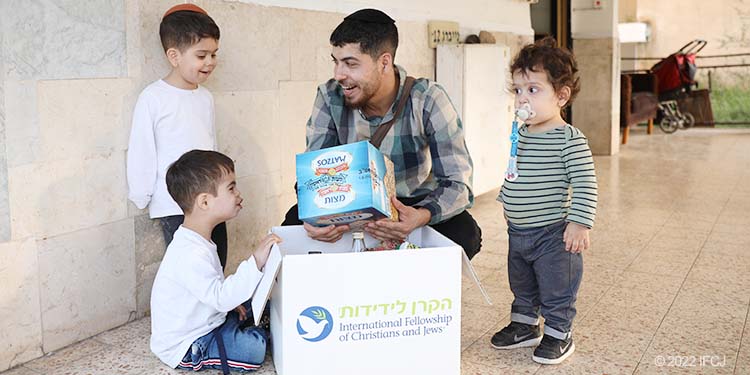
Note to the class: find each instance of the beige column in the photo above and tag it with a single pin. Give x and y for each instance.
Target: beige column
(596, 111)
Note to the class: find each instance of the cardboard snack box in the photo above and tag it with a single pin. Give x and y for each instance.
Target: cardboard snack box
(347, 184)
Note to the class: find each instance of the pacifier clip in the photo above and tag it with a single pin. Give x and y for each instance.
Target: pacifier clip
(524, 113)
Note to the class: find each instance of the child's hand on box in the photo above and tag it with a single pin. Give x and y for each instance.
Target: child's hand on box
(576, 237)
(409, 218)
(264, 248)
(331, 233)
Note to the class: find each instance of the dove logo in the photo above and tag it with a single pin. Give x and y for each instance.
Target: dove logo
(314, 323)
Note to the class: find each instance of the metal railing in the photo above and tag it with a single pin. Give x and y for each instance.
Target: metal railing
(709, 68)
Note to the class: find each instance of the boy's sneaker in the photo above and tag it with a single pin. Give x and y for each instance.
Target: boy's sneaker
(553, 351)
(516, 335)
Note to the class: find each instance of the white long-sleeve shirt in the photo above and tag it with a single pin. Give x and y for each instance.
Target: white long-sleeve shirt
(167, 122)
(191, 297)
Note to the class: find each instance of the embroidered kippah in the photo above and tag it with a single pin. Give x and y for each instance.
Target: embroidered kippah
(370, 16)
(185, 7)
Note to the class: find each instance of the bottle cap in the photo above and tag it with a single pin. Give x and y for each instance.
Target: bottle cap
(358, 235)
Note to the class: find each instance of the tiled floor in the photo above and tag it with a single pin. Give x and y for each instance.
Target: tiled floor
(666, 284)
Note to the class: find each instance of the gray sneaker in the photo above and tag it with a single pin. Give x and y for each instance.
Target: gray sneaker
(517, 335)
(553, 351)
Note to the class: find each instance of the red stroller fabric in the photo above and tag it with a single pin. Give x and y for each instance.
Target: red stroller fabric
(670, 74)
(677, 71)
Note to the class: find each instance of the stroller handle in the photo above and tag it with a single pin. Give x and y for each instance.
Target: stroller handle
(693, 46)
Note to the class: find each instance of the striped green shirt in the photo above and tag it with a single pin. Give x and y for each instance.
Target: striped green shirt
(550, 165)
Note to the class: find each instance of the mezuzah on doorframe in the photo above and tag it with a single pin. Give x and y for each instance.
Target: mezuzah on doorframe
(348, 184)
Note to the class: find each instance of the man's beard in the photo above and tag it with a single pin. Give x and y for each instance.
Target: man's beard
(360, 101)
(354, 105)
(366, 92)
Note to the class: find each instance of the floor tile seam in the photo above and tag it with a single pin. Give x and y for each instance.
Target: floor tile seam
(486, 365)
(30, 369)
(469, 345)
(596, 302)
(653, 335)
(742, 336)
(102, 347)
(674, 298)
(21, 366)
(488, 330)
(645, 245)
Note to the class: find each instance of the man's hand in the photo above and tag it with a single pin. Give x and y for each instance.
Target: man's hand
(242, 312)
(576, 237)
(330, 233)
(409, 218)
(264, 248)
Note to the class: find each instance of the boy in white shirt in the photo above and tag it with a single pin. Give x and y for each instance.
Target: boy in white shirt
(190, 326)
(174, 115)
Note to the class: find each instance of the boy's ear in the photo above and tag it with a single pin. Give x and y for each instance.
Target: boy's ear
(201, 201)
(563, 95)
(173, 55)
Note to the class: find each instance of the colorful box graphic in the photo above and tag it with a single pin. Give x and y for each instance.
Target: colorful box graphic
(347, 184)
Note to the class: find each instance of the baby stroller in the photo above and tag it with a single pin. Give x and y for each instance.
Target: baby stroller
(675, 77)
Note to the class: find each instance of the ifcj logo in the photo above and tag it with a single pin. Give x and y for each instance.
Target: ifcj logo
(314, 323)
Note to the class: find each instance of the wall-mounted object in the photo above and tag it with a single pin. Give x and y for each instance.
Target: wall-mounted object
(633, 32)
(442, 32)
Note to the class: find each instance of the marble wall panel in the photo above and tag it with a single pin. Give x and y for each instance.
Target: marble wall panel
(87, 279)
(61, 39)
(248, 130)
(21, 122)
(20, 319)
(251, 224)
(295, 103)
(56, 197)
(413, 52)
(82, 118)
(309, 34)
(149, 251)
(4, 209)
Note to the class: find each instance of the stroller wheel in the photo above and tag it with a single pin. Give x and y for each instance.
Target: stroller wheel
(668, 125)
(689, 119)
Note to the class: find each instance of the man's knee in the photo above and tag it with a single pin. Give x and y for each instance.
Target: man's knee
(464, 231)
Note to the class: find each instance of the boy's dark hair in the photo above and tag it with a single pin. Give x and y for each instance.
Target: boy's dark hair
(184, 28)
(375, 32)
(194, 173)
(559, 64)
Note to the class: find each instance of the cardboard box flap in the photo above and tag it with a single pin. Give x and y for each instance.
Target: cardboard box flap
(265, 286)
(467, 269)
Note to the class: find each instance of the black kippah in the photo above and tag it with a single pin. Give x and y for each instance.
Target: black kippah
(370, 16)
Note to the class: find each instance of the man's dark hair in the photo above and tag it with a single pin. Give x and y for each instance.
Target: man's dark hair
(374, 38)
(194, 173)
(184, 28)
(559, 64)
